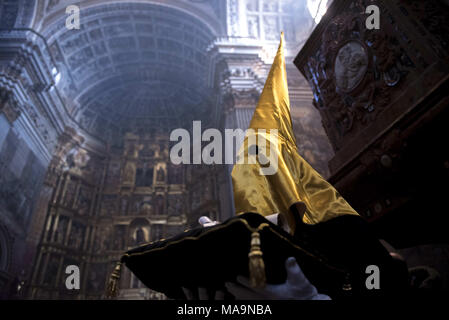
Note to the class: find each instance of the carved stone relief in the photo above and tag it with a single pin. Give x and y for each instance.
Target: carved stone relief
(350, 65)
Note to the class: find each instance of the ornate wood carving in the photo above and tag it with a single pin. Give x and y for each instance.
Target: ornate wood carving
(380, 93)
(360, 77)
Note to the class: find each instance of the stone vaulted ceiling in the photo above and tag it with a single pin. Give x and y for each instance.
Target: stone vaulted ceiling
(131, 67)
(16, 13)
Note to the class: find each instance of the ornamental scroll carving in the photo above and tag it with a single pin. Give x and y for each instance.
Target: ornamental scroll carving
(352, 73)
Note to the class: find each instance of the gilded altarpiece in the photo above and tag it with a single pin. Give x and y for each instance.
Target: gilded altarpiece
(104, 205)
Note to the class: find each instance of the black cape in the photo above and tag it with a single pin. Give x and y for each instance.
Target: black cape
(334, 256)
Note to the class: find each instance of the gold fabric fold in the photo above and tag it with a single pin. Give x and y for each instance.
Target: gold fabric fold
(295, 180)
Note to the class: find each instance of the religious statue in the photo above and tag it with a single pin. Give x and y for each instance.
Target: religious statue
(146, 209)
(160, 175)
(76, 160)
(140, 236)
(129, 173)
(133, 150)
(60, 232)
(253, 27)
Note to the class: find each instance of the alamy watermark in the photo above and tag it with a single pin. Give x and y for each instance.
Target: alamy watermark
(373, 279)
(372, 282)
(373, 20)
(73, 19)
(72, 282)
(262, 147)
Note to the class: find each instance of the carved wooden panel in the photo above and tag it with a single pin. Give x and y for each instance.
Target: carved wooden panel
(363, 80)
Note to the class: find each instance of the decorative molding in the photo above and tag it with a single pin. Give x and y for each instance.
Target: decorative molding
(8, 106)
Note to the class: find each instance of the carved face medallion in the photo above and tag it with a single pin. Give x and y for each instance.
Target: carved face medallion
(350, 65)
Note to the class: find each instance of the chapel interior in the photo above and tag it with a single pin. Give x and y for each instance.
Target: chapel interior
(86, 116)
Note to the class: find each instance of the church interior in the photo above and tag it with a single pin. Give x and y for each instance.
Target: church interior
(86, 114)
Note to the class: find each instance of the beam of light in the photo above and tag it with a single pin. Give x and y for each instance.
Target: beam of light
(317, 9)
(56, 75)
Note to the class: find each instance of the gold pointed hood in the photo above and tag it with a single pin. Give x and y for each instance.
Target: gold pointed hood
(294, 181)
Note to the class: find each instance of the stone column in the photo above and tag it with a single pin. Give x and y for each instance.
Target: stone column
(50, 189)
